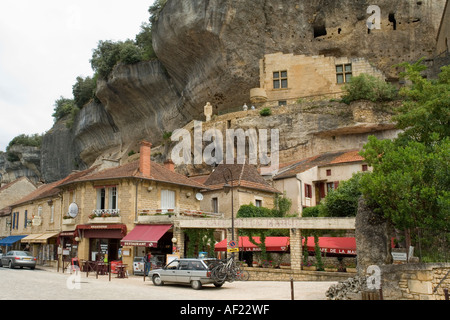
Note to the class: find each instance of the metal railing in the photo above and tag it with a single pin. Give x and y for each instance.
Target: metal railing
(179, 212)
(106, 212)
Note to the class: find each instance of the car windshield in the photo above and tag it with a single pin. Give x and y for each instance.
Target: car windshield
(23, 254)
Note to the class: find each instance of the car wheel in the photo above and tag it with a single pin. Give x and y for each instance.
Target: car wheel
(218, 284)
(10, 265)
(196, 284)
(32, 268)
(157, 281)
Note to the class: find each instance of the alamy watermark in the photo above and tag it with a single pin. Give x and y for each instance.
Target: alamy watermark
(241, 146)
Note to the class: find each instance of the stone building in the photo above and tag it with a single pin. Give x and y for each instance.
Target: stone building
(9, 194)
(248, 185)
(36, 220)
(309, 180)
(287, 78)
(127, 211)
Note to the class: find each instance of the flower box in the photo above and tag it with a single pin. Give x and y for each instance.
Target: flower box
(331, 269)
(68, 221)
(351, 270)
(99, 220)
(309, 268)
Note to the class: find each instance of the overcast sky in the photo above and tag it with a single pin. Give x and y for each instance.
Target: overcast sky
(45, 45)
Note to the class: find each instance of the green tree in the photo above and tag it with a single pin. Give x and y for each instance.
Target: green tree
(343, 202)
(251, 211)
(144, 42)
(155, 10)
(410, 182)
(425, 114)
(368, 87)
(64, 107)
(84, 91)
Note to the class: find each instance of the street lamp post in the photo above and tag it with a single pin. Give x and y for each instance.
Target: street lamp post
(227, 187)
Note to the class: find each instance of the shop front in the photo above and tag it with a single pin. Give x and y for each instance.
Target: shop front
(153, 239)
(68, 245)
(43, 246)
(100, 242)
(11, 243)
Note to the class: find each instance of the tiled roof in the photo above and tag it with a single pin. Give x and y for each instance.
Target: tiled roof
(131, 170)
(328, 158)
(14, 182)
(243, 175)
(52, 189)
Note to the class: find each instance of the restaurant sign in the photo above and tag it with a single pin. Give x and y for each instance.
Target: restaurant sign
(139, 244)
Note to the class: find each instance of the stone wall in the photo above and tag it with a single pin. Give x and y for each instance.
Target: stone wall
(415, 281)
(273, 274)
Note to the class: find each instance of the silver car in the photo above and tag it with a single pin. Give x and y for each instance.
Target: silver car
(20, 259)
(186, 271)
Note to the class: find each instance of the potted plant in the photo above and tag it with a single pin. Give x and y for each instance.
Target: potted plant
(309, 267)
(331, 268)
(285, 265)
(351, 267)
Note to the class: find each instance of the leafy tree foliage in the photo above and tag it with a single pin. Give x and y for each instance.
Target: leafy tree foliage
(64, 107)
(410, 183)
(84, 91)
(368, 87)
(282, 206)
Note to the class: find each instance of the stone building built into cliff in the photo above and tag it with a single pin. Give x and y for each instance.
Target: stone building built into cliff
(287, 78)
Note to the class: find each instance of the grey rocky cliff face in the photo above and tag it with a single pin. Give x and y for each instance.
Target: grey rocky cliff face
(27, 165)
(209, 51)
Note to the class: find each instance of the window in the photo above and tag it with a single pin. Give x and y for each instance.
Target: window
(113, 198)
(258, 203)
(25, 222)
(15, 224)
(308, 191)
(365, 168)
(332, 186)
(343, 73)
(101, 198)
(280, 80)
(282, 103)
(215, 205)
(167, 200)
(328, 172)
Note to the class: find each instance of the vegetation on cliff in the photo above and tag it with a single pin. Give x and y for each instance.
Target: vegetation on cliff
(104, 58)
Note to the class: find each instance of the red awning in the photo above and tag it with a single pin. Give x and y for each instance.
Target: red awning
(102, 231)
(334, 245)
(145, 235)
(272, 244)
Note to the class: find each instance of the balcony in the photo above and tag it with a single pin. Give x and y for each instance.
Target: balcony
(105, 216)
(166, 215)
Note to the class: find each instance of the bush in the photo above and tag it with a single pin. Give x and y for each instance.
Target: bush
(367, 87)
(64, 107)
(265, 112)
(84, 91)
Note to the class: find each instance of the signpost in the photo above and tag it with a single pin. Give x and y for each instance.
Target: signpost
(232, 246)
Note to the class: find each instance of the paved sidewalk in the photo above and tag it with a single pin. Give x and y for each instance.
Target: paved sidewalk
(134, 288)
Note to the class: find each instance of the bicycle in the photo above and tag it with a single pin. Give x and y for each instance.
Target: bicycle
(242, 275)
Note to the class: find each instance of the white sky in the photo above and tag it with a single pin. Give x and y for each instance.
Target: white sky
(45, 45)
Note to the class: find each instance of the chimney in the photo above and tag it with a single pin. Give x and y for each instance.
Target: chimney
(169, 165)
(144, 159)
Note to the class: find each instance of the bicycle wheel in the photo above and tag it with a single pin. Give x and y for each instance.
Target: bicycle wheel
(244, 275)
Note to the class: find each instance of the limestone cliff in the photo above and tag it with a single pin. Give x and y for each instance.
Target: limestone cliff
(26, 164)
(209, 51)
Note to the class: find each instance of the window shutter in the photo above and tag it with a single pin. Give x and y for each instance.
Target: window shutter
(167, 199)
